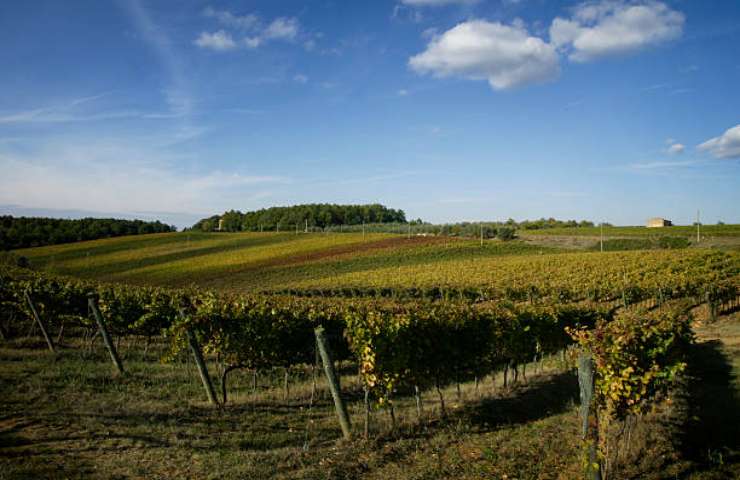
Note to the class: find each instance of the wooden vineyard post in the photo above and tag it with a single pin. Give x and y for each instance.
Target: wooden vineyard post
(201, 364)
(92, 301)
(202, 370)
(367, 412)
(589, 421)
(712, 306)
(333, 380)
(417, 396)
(38, 321)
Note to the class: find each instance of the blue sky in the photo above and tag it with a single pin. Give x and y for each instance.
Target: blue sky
(449, 109)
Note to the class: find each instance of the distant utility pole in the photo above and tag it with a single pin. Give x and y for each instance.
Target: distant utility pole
(602, 236)
(698, 228)
(481, 234)
(306, 225)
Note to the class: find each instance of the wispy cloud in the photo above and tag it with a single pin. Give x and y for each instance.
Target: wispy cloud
(178, 93)
(437, 3)
(656, 86)
(219, 40)
(79, 110)
(567, 194)
(661, 165)
(673, 147)
(249, 31)
(241, 22)
(118, 175)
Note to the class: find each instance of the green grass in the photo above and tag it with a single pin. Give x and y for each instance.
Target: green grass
(677, 231)
(70, 417)
(640, 243)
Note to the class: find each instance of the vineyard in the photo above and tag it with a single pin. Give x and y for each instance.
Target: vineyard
(410, 336)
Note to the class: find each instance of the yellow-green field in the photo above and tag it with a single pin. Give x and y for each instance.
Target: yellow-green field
(267, 261)
(259, 261)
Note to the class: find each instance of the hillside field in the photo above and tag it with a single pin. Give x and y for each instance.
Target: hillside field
(248, 262)
(65, 416)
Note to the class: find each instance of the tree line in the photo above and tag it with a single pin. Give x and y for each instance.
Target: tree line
(23, 232)
(321, 215)
(373, 217)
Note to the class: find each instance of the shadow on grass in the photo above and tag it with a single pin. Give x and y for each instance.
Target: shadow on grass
(711, 437)
(539, 399)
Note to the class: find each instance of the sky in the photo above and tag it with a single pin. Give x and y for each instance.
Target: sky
(451, 110)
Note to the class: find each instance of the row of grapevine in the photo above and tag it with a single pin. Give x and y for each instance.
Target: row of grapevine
(442, 343)
(400, 347)
(624, 366)
(397, 344)
(630, 278)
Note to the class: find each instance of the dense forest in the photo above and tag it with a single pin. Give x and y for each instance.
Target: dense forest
(315, 215)
(22, 232)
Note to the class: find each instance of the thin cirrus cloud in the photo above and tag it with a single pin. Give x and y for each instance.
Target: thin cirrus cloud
(504, 55)
(251, 29)
(82, 109)
(122, 176)
(437, 3)
(508, 56)
(226, 18)
(726, 145)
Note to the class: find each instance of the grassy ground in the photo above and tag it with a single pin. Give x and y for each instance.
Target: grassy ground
(69, 416)
(712, 436)
(707, 231)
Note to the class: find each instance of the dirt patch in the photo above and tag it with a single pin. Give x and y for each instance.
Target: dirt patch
(572, 242)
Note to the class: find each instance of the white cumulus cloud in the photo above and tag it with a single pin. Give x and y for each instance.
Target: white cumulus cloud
(219, 41)
(674, 148)
(609, 28)
(726, 145)
(505, 55)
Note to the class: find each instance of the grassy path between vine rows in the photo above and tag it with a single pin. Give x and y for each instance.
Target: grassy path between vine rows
(711, 438)
(70, 417)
